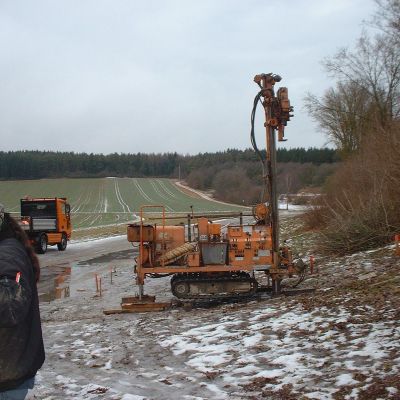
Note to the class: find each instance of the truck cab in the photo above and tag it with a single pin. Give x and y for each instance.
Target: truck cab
(47, 222)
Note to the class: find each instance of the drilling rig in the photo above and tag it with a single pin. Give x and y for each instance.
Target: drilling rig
(206, 261)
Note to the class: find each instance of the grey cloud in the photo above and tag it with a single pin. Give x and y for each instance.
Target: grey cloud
(105, 76)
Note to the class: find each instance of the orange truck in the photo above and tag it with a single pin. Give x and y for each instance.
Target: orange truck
(47, 222)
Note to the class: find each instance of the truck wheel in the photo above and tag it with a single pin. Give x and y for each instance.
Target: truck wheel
(41, 246)
(63, 244)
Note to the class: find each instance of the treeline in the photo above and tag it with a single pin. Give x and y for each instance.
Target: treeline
(242, 182)
(48, 164)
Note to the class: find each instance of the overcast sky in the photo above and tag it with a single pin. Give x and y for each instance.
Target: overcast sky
(161, 76)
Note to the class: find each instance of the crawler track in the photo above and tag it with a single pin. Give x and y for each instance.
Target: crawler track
(206, 287)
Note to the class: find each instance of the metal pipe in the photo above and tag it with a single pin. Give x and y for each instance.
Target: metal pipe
(274, 200)
(141, 292)
(267, 84)
(189, 228)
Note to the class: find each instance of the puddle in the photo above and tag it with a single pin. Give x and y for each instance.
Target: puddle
(75, 279)
(54, 283)
(60, 282)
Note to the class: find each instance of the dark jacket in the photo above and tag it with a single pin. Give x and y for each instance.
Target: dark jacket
(21, 343)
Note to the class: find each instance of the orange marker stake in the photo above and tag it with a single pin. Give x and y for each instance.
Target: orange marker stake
(18, 277)
(397, 240)
(97, 282)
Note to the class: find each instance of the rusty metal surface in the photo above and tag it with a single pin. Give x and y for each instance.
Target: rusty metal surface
(137, 304)
(139, 308)
(176, 269)
(145, 307)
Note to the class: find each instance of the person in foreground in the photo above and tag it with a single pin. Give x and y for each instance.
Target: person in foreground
(21, 342)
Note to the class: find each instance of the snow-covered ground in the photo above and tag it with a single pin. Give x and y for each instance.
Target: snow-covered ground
(343, 342)
(282, 205)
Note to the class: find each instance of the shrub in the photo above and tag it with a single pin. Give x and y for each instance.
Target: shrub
(362, 204)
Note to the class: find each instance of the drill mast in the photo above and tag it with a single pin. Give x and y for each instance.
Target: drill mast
(277, 112)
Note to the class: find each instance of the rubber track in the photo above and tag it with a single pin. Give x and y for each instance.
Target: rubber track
(243, 277)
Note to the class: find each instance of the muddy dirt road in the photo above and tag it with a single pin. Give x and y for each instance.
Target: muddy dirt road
(343, 342)
(80, 251)
(91, 356)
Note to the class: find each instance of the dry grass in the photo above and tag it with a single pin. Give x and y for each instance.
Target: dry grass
(361, 209)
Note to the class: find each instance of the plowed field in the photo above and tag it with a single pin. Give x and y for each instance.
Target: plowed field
(108, 201)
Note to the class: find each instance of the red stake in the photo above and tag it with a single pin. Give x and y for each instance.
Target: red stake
(397, 240)
(97, 282)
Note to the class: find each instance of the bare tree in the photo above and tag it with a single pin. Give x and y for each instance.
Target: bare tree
(344, 113)
(367, 94)
(387, 17)
(374, 66)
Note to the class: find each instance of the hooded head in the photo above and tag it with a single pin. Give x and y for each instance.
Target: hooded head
(9, 228)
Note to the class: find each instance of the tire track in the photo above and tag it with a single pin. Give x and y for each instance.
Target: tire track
(85, 201)
(145, 196)
(162, 195)
(164, 187)
(90, 216)
(100, 206)
(125, 207)
(77, 203)
(82, 204)
(141, 191)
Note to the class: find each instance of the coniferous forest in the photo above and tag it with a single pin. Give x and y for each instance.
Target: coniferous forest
(49, 164)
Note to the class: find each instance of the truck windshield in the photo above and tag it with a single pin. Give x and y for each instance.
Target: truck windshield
(41, 209)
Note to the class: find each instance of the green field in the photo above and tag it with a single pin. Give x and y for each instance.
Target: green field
(108, 201)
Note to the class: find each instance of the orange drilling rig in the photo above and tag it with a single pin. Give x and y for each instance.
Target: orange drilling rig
(206, 261)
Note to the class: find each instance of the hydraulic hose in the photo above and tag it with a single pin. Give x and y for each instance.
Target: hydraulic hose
(257, 99)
